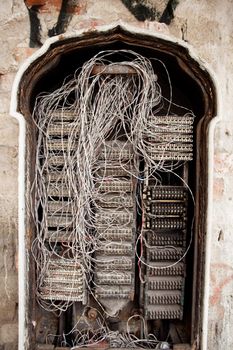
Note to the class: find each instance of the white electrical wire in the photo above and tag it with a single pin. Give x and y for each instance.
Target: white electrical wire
(78, 125)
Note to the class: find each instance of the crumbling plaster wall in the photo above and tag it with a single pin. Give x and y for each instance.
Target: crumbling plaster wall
(206, 25)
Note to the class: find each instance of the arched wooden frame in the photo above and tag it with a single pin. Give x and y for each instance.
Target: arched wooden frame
(29, 75)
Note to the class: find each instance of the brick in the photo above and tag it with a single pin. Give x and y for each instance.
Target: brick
(9, 288)
(9, 165)
(154, 26)
(9, 333)
(7, 247)
(223, 163)
(30, 3)
(8, 311)
(218, 188)
(6, 10)
(6, 82)
(90, 23)
(11, 346)
(8, 207)
(4, 102)
(20, 54)
(53, 3)
(8, 130)
(72, 7)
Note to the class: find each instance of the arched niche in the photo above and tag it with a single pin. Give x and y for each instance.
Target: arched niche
(193, 87)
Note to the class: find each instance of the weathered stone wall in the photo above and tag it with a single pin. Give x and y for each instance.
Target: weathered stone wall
(207, 25)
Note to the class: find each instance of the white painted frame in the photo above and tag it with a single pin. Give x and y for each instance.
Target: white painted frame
(22, 254)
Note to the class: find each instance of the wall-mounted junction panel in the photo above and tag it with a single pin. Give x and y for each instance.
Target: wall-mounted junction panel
(112, 202)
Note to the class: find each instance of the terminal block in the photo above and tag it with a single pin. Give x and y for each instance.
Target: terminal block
(115, 293)
(114, 263)
(165, 208)
(116, 151)
(169, 156)
(175, 238)
(115, 200)
(164, 283)
(169, 298)
(58, 215)
(110, 217)
(155, 222)
(173, 147)
(167, 138)
(160, 312)
(114, 278)
(114, 248)
(165, 231)
(60, 145)
(59, 235)
(154, 192)
(114, 185)
(60, 221)
(115, 169)
(165, 253)
(166, 268)
(57, 160)
(170, 138)
(172, 120)
(58, 189)
(60, 129)
(61, 115)
(115, 223)
(64, 280)
(55, 207)
(115, 234)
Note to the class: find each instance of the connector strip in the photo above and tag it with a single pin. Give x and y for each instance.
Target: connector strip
(116, 151)
(154, 192)
(114, 248)
(164, 312)
(171, 119)
(58, 189)
(61, 129)
(60, 145)
(109, 217)
(153, 223)
(114, 278)
(170, 138)
(114, 200)
(165, 230)
(166, 208)
(114, 185)
(64, 115)
(165, 238)
(63, 281)
(164, 283)
(164, 298)
(60, 221)
(115, 234)
(115, 222)
(114, 263)
(166, 268)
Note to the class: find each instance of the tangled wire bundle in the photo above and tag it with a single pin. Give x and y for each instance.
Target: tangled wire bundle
(75, 125)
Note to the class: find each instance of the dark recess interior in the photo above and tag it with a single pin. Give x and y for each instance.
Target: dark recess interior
(185, 92)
